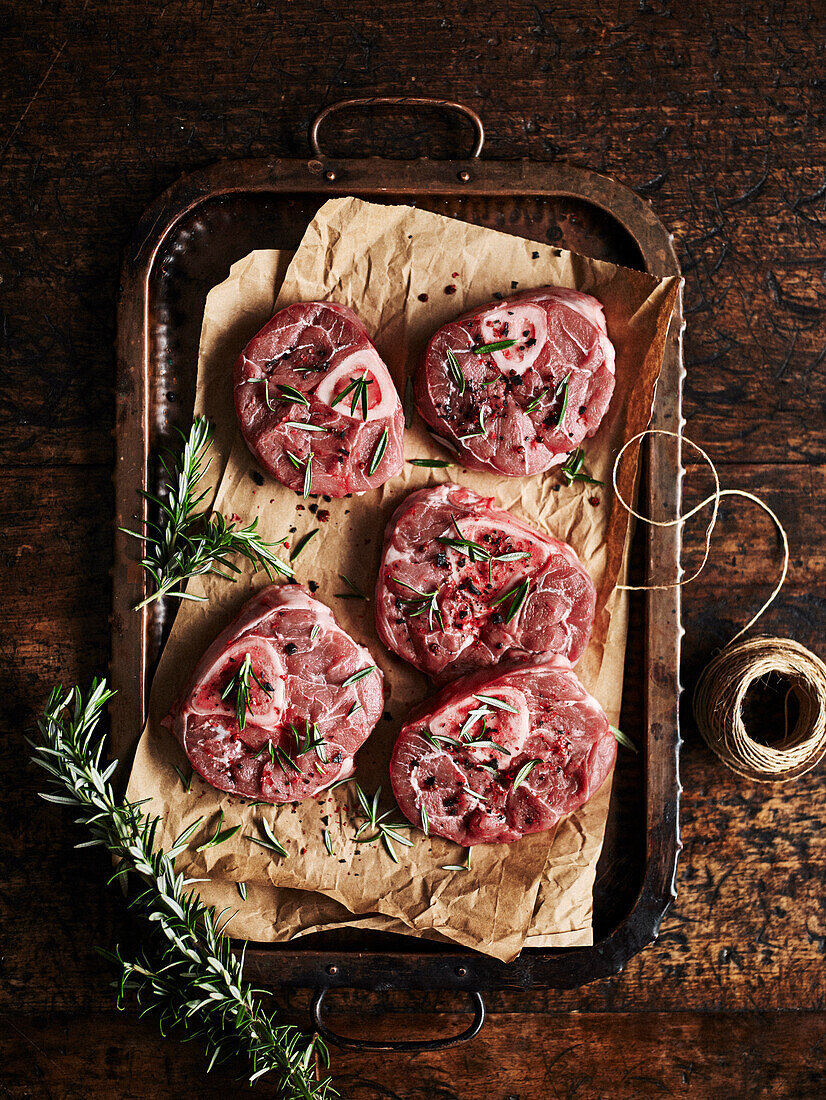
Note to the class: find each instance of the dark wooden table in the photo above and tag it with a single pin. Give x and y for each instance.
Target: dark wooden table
(714, 111)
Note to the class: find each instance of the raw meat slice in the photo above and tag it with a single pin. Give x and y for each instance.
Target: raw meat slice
(493, 757)
(519, 408)
(308, 709)
(449, 558)
(316, 404)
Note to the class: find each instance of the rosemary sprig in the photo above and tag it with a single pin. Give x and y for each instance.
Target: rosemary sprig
(220, 835)
(497, 345)
(187, 971)
(185, 542)
(383, 830)
(378, 453)
(456, 370)
(516, 597)
(302, 542)
(623, 739)
(422, 602)
(240, 684)
(355, 592)
(524, 772)
(573, 469)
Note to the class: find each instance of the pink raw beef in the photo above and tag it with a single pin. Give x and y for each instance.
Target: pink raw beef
(519, 408)
(316, 404)
(305, 693)
(450, 608)
(492, 758)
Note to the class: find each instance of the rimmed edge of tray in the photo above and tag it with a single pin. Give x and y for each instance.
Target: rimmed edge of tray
(290, 964)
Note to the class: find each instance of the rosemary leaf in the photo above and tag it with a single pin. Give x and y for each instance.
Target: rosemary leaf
(308, 475)
(302, 542)
(355, 592)
(378, 453)
(500, 704)
(186, 780)
(425, 820)
(437, 463)
(524, 772)
(305, 426)
(563, 388)
(290, 393)
(241, 887)
(220, 835)
(516, 597)
(456, 370)
(328, 842)
(537, 401)
(497, 345)
(623, 739)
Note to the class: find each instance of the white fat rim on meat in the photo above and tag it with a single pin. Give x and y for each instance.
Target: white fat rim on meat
(276, 701)
(366, 360)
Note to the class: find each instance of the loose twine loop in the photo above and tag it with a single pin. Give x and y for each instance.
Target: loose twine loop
(725, 682)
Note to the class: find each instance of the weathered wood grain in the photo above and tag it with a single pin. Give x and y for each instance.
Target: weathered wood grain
(715, 112)
(618, 1055)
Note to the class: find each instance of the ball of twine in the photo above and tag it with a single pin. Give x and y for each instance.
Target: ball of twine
(718, 708)
(725, 682)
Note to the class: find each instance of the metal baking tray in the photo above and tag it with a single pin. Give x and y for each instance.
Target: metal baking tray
(183, 245)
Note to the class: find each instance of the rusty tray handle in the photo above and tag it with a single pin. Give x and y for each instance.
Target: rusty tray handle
(399, 101)
(408, 1046)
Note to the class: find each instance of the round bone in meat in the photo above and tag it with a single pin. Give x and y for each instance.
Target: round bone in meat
(494, 757)
(464, 585)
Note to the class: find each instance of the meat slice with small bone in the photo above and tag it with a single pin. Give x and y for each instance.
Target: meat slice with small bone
(515, 385)
(464, 585)
(280, 702)
(494, 757)
(316, 404)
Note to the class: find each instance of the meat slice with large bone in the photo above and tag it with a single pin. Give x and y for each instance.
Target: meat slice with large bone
(494, 757)
(280, 702)
(515, 385)
(463, 585)
(316, 404)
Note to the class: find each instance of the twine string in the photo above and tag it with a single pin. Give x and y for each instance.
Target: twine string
(724, 683)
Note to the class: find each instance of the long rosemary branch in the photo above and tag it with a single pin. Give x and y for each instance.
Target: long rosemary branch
(188, 973)
(187, 542)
